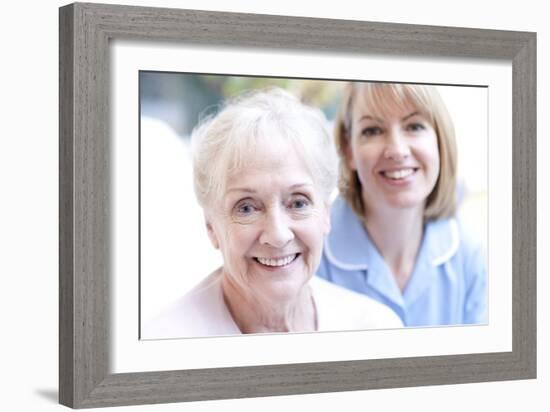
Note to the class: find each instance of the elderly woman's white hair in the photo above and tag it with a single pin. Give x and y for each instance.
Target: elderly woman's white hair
(228, 140)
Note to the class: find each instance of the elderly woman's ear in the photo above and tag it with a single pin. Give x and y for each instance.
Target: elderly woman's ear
(212, 234)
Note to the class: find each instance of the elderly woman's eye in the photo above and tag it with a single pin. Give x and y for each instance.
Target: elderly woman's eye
(299, 203)
(244, 208)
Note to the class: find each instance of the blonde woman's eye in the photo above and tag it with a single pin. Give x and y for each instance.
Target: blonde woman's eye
(416, 127)
(371, 131)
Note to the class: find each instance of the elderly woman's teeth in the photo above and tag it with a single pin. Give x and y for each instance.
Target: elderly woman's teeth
(276, 262)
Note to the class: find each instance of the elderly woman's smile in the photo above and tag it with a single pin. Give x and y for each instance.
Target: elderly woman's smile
(277, 262)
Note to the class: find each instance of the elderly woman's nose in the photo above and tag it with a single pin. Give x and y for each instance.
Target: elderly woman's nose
(276, 230)
(397, 147)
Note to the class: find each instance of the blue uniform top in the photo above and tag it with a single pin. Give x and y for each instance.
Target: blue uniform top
(448, 285)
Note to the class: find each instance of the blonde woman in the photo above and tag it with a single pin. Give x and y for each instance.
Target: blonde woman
(395, 237)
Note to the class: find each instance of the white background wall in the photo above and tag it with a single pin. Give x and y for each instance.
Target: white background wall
(28, 206)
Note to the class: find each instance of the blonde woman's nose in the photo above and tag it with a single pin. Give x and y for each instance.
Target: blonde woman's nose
(397, 147)
(276, 230)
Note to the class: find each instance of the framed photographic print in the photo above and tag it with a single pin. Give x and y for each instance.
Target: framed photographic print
(172, 105)
(137, 88)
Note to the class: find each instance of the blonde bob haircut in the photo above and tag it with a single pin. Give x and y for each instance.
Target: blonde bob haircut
(378, 98)
(229, 140)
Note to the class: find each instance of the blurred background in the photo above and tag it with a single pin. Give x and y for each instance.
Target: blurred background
(181, 99)
(175, 252)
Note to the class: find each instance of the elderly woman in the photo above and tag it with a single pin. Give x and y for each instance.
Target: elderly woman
(264, 169)
(395, 236)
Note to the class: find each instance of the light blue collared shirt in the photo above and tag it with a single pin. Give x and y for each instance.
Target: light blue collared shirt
(448, 285)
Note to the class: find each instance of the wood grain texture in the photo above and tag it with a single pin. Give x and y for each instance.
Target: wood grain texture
(66, 228)
(524, 205)
(85, 31)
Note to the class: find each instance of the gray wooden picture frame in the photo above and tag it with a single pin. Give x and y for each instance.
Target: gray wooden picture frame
(84, 161)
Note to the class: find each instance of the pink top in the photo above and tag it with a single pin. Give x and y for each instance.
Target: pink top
(203, 312)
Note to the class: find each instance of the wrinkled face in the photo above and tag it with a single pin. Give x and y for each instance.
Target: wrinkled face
(269, 225)
(396, 156)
